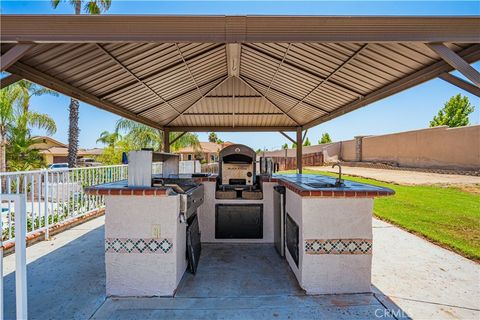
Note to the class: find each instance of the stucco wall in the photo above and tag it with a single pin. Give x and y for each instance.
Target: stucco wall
(348, 150)
(440, 147)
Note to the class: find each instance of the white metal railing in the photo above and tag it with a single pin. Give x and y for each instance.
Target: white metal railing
(18, 202)
(53, 196)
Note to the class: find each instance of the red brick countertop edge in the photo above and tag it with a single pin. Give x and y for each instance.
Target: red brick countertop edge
(99, 191)
(335, 193)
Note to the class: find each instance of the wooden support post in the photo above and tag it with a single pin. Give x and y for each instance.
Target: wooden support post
(166, 140)
(299, 150)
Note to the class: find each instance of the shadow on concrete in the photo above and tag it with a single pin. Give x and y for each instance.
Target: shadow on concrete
(233, 282)
(67, 283)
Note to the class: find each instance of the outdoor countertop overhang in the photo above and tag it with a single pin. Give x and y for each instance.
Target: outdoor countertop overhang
(299, 183)
(121, 188)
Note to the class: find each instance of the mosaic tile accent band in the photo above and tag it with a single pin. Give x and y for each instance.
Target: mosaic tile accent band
(338, 246)
(138, 245)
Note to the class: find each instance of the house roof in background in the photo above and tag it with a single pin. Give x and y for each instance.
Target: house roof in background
(233, 73)
(207, 147)
(63, 151)
(56, 142)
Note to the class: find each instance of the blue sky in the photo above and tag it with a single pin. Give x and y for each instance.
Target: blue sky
(408, 110)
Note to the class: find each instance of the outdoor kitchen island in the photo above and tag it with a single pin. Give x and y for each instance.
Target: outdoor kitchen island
(328, 233)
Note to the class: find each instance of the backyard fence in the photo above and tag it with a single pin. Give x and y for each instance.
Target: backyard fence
(56, 196)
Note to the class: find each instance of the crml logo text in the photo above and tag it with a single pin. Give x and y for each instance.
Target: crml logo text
(395, 314)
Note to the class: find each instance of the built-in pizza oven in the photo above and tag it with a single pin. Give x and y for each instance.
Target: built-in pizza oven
(237, 177)
(237, 165)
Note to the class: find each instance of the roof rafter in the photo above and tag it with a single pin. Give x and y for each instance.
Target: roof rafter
(14, 54)
(470, 55)
(323, 81)
(456, 61)
(8, 80)
(202, 97)
(302, 69)
(287, 136)
(180, 95)
(48, 81)
(282, 93)
(119, 63)
(462, 84)
(188, 69)
(273, 104)
(163, 70)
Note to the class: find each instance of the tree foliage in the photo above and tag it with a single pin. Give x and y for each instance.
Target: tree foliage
(325, 138)
(16, 122)
(454, 113)
(285, 146)
(130, 135)
(307, 142)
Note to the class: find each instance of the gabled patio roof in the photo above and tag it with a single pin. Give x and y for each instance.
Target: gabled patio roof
(236, 73)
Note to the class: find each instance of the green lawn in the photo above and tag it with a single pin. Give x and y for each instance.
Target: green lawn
(449, 216)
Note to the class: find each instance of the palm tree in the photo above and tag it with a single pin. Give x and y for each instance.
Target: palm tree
(109, 138)
(90, 7)
(16, 119)
(8, 98)
(143, 136)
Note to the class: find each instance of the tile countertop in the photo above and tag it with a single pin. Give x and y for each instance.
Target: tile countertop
(120, 188)
(299, 183)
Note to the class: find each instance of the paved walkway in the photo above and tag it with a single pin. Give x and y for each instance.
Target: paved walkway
(411, 277)
(403, 177)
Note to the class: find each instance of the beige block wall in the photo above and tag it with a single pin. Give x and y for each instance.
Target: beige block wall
(441, 147)
(348, 150)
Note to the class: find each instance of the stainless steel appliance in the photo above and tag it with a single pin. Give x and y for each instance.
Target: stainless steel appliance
(191, 197)
(236, 166)
(238, 221)
(191, 193)
(279, 219)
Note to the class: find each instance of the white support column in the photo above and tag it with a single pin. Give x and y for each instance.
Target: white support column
(21, 256)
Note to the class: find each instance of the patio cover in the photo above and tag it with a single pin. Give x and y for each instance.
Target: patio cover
(236, 73)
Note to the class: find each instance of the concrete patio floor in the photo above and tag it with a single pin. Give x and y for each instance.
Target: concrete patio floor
(411, 277)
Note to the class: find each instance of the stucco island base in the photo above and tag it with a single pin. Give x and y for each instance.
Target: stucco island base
(335, 236)
(140, 259)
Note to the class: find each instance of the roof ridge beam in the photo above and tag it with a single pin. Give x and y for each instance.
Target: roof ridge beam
(323, 81)
(14, 54)
(470, 55)
(201, 28)
(460, 83)
(302, 69)
(453, 59)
